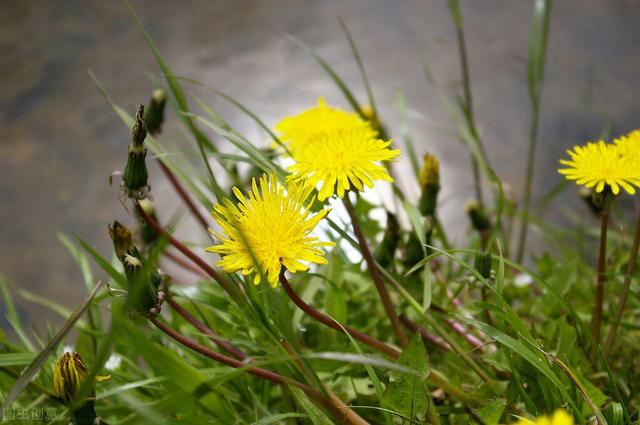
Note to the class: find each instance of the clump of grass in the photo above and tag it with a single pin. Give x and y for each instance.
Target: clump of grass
(279, 324)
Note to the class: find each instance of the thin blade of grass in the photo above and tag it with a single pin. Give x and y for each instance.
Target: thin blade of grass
(26, 376)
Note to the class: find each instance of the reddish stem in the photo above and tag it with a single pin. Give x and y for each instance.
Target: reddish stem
(333, 324)
(183, 194)
(227, 285)
(375, 274)
(313, 394)
(602, 277)
(210, 333)
(427, 337)
(182, 263)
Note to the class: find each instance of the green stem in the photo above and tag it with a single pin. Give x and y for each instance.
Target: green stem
(622, 300)
(531, 159)
(602, 263)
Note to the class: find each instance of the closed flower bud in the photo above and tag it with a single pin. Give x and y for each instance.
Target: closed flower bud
(429, 179)
(482, 264)
(142, 290)
(478, 217)
(68, 375)
(135, 174)
(386, 251)
(154, 113)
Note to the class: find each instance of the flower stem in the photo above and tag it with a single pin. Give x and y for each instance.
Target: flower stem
(210, 333)
(436, 327)
(622, 300)
(184, 264)
(183, 194)
(375, 274)
(531, 160)
(602, 262)
(427, 337)
(228, 286)
(435, 377)
(313, 394)
(334, 324)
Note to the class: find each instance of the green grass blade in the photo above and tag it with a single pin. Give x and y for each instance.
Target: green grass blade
(51, 346)
(342, 86)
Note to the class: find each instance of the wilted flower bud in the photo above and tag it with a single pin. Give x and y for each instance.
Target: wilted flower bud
(478, 217)
(135, 174)
(154, 114)
(143, 294)
(429, 179)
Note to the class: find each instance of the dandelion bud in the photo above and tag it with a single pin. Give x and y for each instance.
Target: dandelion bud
(478, 217)
(122, 241)
(429, 179)
(154, 114)
(142, 294)
(385, 253)
(135, 174)
(371, 116)
(482, 264)
(68, 375)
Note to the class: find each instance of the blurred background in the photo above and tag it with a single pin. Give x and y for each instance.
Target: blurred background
(60, 140)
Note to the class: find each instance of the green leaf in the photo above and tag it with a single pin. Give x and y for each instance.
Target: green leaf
(316, 415)
(406, 394)
(275, 419)
(492, 411)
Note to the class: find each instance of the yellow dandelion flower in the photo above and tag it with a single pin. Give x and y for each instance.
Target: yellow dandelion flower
(629, 144)
(300, 128)
(599, 164)
(340, 159)
(268, 229)
(560, 417)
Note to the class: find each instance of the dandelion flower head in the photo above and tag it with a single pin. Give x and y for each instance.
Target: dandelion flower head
(268, 229)
(560, 417)
(299, 129)
(600, 164)
(336, 149)
(629, 144)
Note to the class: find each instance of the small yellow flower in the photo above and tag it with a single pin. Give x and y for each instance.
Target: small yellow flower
(560, 417)
(299, 129)
(629, 144)
(267, 230)
(599, 164)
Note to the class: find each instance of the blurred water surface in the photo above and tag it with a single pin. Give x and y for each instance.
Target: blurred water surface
(59, 140)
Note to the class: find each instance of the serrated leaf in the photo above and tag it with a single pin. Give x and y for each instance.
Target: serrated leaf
(406, 394)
